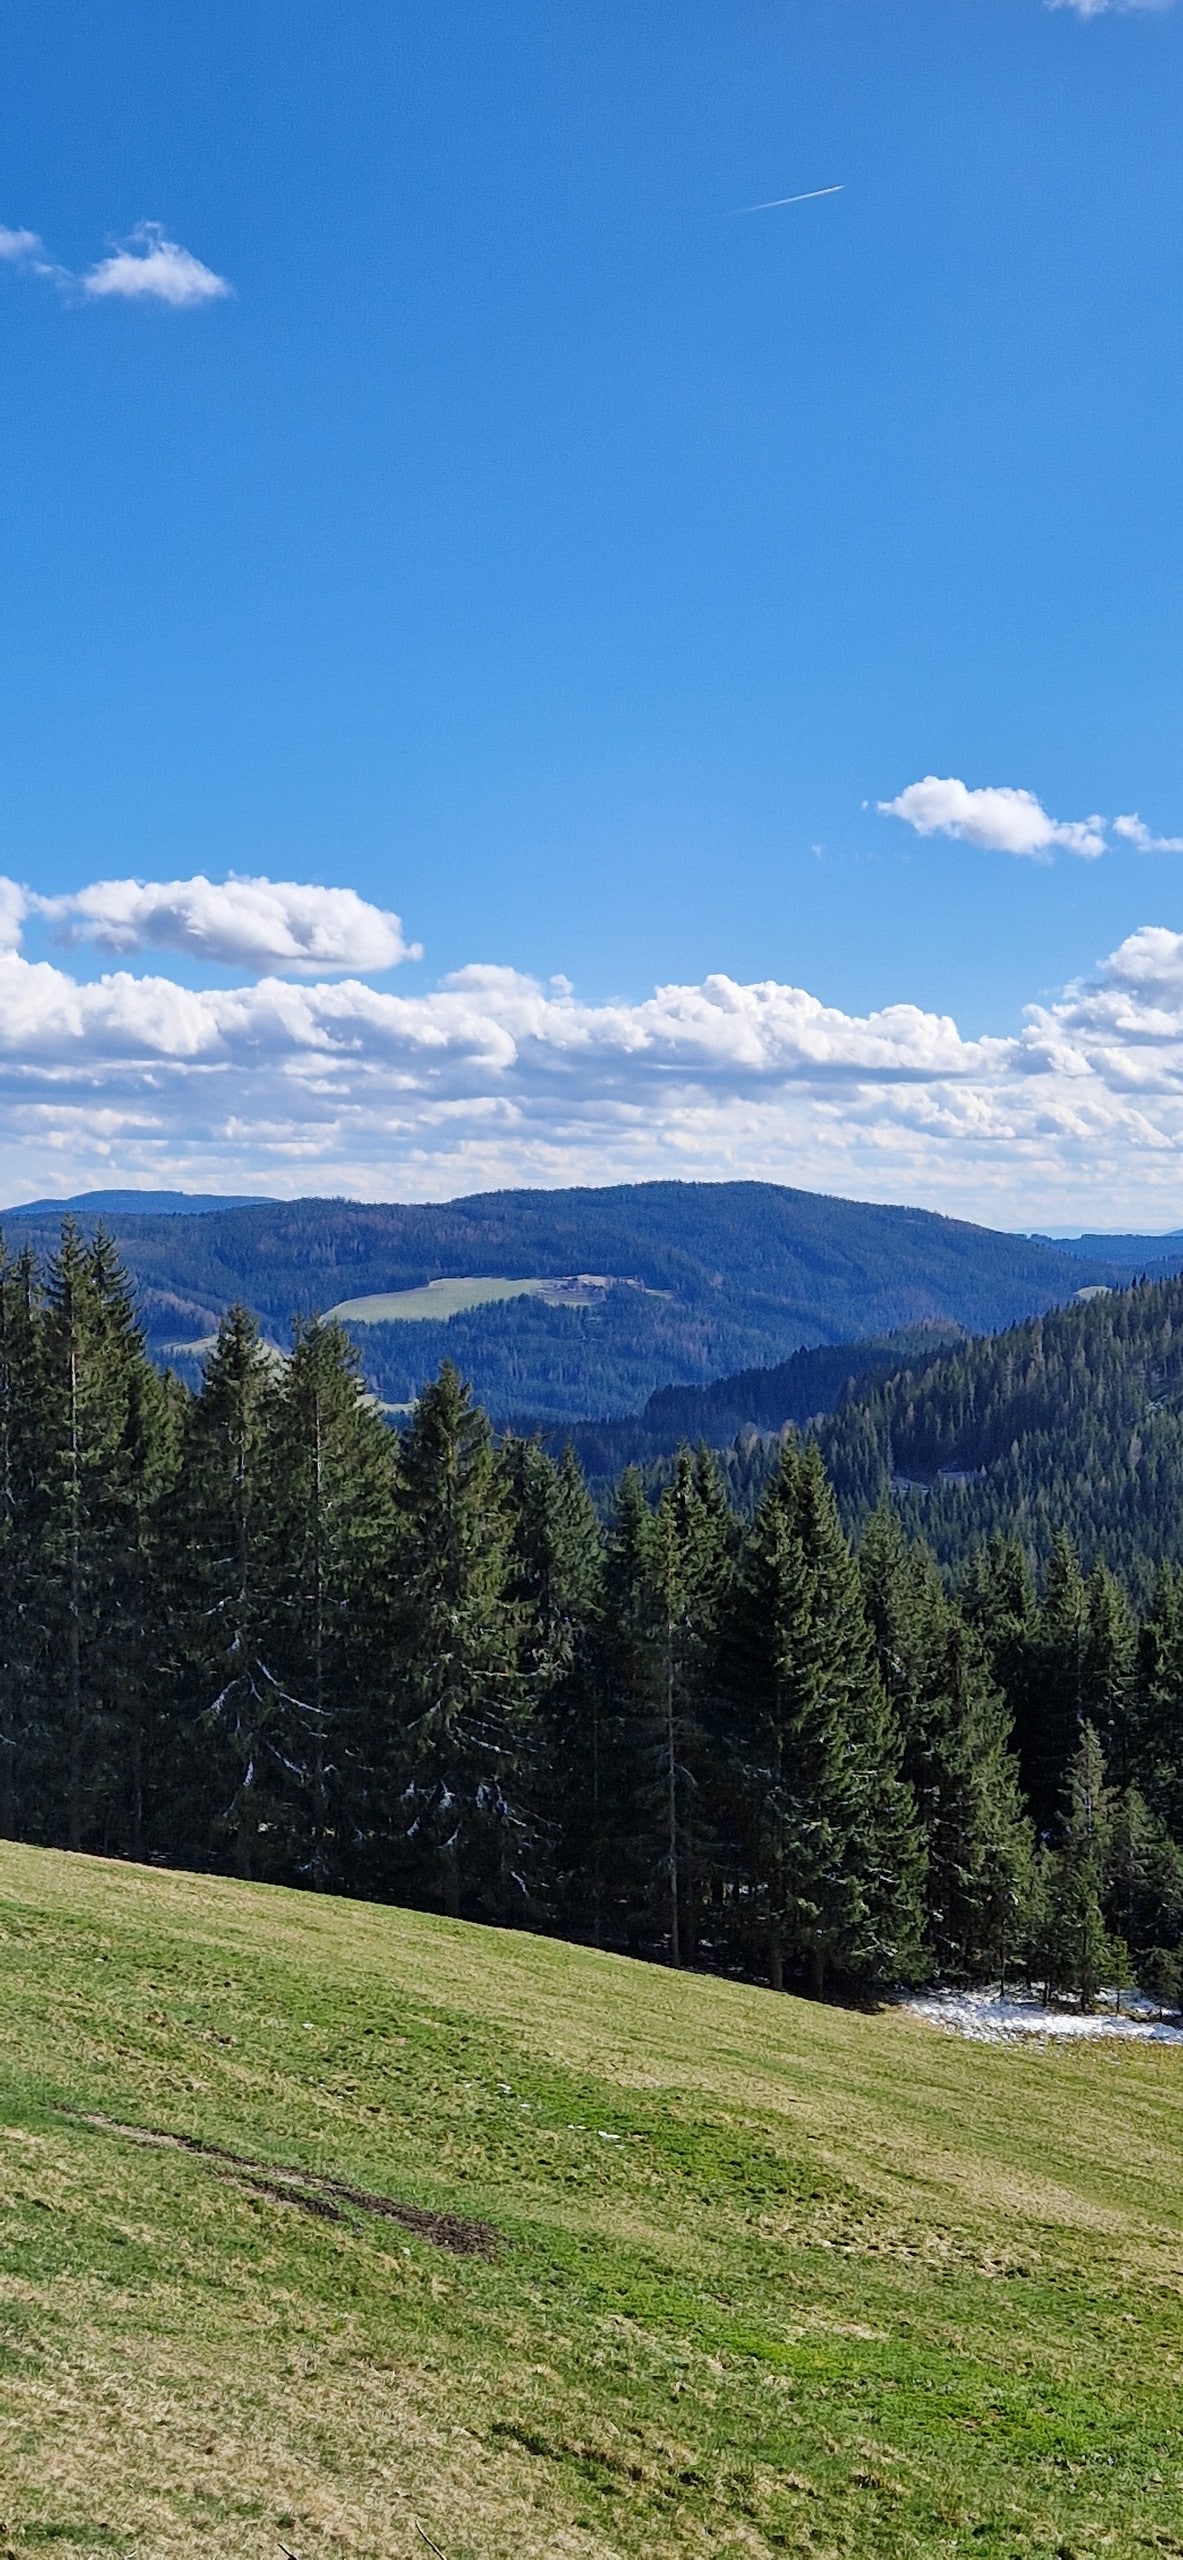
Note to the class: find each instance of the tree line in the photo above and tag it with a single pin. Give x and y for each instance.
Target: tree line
(254, 1629)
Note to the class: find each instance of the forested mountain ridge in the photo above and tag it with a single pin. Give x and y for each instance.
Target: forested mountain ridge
(1149, 1257)
(747, 1273)
(1071, 1421)
(137, 1204)
(797, 1390)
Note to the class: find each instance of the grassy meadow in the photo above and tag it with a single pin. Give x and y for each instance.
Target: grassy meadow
(435, 1301)
(447, 2238)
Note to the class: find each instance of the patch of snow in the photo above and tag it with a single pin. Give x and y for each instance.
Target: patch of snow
(1021, 2015)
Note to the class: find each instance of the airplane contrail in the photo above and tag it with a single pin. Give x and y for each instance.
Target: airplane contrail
(810, 197)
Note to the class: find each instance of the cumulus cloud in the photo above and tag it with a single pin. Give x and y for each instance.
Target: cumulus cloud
(150, 268)
(146, 267)
(999, 820)
(247, 923)
(303, 1083)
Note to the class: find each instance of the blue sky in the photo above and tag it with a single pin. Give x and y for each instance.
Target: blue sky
(455, 503)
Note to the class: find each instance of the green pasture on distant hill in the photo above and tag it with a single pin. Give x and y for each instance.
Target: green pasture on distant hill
(439, 1299)
(327, 2227)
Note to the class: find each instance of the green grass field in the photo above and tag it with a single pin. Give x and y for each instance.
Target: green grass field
(689, 2269)
(434, 1302)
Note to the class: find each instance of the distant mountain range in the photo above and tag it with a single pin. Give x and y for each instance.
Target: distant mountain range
(736, 1278)
(138, 1204)
(1160, 1255)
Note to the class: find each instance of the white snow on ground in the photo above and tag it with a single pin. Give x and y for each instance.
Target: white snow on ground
(1021, 2015)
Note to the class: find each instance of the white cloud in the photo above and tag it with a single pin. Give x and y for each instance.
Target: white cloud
(14, 907)
(147, 267)
(18, 248)
(1113, 8)
(245, 923)
(150, 268)
(289, 1084)
(999, 820)
(27, 250)
(1133, 831)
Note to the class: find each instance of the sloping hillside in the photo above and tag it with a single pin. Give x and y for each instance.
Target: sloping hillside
(795, 1391)
(335, 2230)
(741, 1274)
(1071, 1421)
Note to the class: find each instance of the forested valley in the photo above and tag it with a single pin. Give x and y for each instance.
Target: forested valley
(254, 1629)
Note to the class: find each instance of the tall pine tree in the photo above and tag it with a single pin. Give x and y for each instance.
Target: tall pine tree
(331, 1538)
(468, 1822)
(832, 1846)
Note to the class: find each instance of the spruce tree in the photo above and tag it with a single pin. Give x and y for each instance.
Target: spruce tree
(22, 1488)
(832, 1846)
(956, 1757)
(463, 1701)
(1108, 1672)
(330, 1537)
(1057, 1701)
(1079, 1952)
(232, 1780)
(1145, 1881)
(665, 1575)
(559, 1586)
(632, 1841)
(689, 1558)
(102, 1427)
(998, 1600)
(1157, 1739)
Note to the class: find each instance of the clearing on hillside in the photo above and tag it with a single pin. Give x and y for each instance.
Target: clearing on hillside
(439, 1299)
(327, 2228)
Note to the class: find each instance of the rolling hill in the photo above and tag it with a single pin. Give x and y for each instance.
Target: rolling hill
(733, 1276)
(331, 2229)
(1073, 1421)
(797, 1390)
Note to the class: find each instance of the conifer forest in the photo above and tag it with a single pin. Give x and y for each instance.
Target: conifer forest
(255, 1629)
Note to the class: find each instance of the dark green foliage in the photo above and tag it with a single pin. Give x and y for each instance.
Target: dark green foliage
(98, 1442)
(809, 1383)
(829, 1831)
(254, 1627)
(689, 1567)
(957, 1758)
(1075, 1948)
(558, 1583)
(1158, 1716)
(666, 1577)
(221, 1560)
(1071, 1424)
(458, 1632)
(331, 1533)
(21, 1462)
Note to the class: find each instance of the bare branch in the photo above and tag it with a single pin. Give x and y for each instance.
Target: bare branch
(426, 2537)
